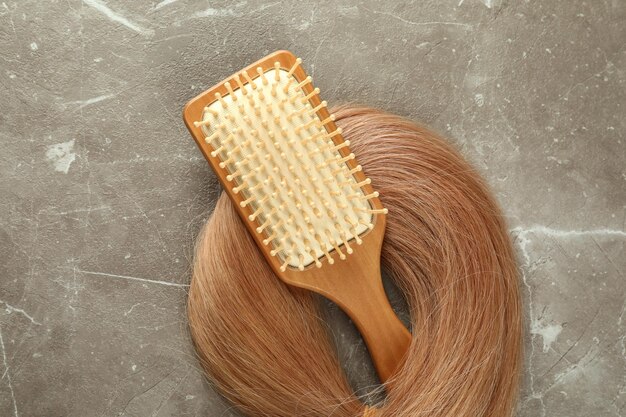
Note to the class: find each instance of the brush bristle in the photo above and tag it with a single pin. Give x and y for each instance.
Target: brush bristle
(279, 155)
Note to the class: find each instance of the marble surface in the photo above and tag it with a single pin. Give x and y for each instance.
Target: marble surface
(102, 190)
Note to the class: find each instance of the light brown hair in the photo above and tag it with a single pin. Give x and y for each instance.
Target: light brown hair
(265, 347)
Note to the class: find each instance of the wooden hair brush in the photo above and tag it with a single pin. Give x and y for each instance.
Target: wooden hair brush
(300, 192)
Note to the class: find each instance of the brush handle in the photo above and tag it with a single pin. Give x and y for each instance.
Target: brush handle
(386, 337)
(355, 285)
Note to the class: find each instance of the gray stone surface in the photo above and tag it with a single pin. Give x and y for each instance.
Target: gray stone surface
(102, 190)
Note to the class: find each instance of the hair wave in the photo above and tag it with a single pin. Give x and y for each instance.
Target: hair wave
(265, 347)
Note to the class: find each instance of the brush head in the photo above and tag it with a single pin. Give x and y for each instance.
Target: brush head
(279, 154)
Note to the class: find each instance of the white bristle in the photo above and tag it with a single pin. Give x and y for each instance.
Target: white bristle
(345, 158)
(332, 134)
(294, 67)
(285, 264)
(221, 100)
(259, 71)
(320, 106)
(248, 79)
(247, 201)
(327, 120)
(345, 241)
(276, 72)
(315, 92)
(280, 155)
(240, 84)
(286, 86)
(211, 111)
(202, 123)
(230, 91)
(303, 83)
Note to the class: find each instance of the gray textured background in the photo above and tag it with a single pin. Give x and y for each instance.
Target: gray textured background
(102, 190)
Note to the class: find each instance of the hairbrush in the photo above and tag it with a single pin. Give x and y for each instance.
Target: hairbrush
(300, 192)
